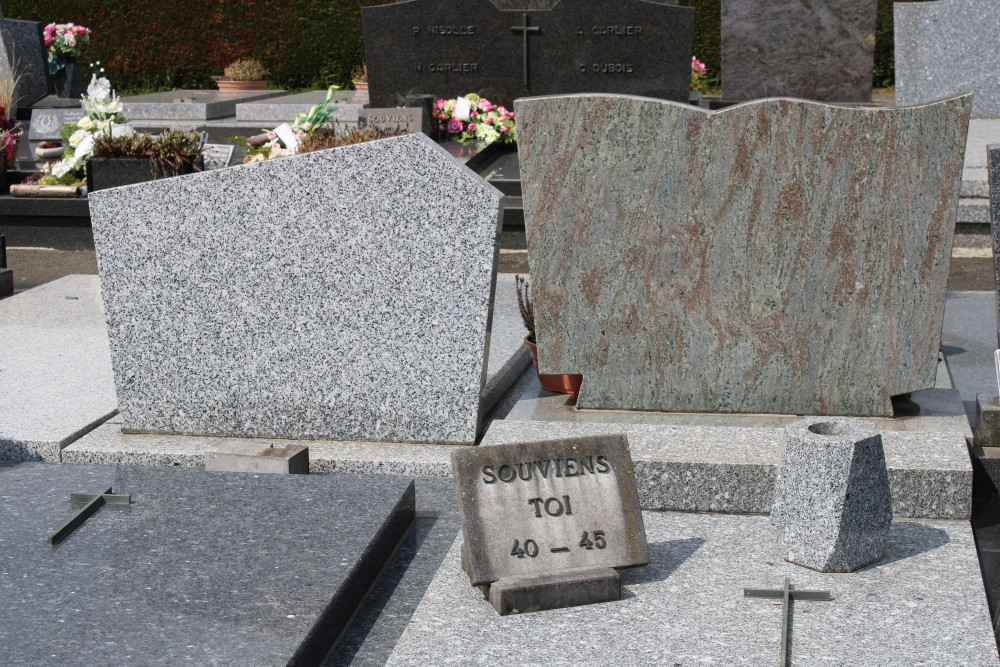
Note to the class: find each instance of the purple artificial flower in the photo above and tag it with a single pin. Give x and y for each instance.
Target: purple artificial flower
(455, 126)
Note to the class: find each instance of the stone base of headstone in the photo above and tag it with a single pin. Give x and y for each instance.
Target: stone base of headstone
(987, 430)
(254, 457)
(555, 590)
(6, 282)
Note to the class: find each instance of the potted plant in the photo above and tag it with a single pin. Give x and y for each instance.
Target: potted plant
(359, 77)
(140, 157)
(65, 42)
(243, 74)
(562, 384)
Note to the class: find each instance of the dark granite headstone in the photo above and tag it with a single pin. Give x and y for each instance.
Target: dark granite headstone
(202, 568)
(453, 47)
(26, 49)
(407, 119)
(819, 50)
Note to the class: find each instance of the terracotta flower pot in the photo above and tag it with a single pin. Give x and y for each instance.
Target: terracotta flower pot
(561, 384)
(227, 85)
(360, 85)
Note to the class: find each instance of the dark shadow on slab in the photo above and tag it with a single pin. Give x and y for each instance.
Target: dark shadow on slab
(665, 557)
(910, 538)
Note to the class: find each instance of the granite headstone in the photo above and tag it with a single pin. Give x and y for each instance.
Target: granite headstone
(200, 568)
(945, 48)
(540, 507)
(26, 49)
(47, 123)
(780, 256)
(250, 301)
(821, 50)
(453, 47)
(993, 171)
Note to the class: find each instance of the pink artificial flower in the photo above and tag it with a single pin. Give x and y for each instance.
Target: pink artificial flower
(489, 120)
(439, 104)
(474, 114)
(472, 127)
(440, 127)
(455, 126)
(504, 128)
(441, 116)
(271, 135)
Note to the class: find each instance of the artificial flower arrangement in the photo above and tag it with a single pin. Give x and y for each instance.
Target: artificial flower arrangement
(103, 116)
(473, 117)
(65, 42)
(10, 131)
(286, 139)
(699, 74)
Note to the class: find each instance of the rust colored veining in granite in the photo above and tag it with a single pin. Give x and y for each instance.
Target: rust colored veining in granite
(779, 256)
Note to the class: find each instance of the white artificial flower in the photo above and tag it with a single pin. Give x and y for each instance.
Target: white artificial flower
(99, 89)
(85, 123)
(77, 137)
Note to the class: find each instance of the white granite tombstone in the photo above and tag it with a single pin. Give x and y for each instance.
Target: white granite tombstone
(945, 48)
(341, 294)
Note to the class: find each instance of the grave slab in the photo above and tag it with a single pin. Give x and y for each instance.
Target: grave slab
(210, 568)
(448, 48)
(283, 109)
(930, 37)
(55, 368)
(347, 323)
(725, 237)
(693, 589)
(199, 105)
(47, 123)
(821, 51)
(26, 49)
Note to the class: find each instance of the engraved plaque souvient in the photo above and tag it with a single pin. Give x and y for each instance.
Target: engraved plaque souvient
(536, 507)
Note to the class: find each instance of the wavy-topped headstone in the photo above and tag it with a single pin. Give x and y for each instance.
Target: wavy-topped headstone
(342, 294)
(818, 50)
(945, 48)
(779, 256)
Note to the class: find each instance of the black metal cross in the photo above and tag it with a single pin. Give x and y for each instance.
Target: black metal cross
(94, 502)
(524, 29)
(786, 595)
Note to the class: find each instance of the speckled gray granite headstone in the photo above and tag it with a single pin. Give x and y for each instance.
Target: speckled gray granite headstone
(993, 170)
(832, 507)
(342, 294)
(946, 48)
(25, 47)
(779, 256)
(819, 50)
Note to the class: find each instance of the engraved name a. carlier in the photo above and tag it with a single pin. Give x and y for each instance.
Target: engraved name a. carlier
(450, 67)
(567, 467)
(447, 30)
(613, 30)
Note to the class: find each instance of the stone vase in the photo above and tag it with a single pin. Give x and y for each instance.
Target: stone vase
(69, 81)
(832, 505)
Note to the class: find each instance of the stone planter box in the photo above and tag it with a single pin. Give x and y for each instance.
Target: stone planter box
(103, 173)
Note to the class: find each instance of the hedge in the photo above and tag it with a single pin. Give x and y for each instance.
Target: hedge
(305, 43)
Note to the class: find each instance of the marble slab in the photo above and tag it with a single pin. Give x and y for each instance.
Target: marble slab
(202, 568)
(993, 164)
(778, 256)
(191, 104)
(821, 51)
(241, 303)
(687, 606)
(26, 49)
(55, 368)
(449, 48)
(283, 109)
(945, 48)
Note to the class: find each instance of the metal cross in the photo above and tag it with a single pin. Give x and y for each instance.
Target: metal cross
(94, 502)
(786, 595)
(524, 29)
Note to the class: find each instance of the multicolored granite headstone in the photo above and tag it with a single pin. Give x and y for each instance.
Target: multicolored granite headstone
(343, 294)
(821, 51)
(779, 256)
(946, 48)
(993, 171)
(453, 47)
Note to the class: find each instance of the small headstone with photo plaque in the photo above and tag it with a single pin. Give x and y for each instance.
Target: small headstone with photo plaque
(545, 522)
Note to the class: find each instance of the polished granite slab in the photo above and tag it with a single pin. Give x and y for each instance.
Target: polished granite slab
(778, 256)
(201, 568)
(191, 104)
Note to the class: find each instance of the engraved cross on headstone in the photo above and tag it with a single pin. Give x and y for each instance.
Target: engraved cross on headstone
(524, 29)
(786, 595)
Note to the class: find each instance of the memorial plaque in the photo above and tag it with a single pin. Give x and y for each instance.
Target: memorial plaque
(217, 156)
(536, 507)
(47, 123)
(454, 47)
(408, 119)
(822, 50)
